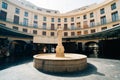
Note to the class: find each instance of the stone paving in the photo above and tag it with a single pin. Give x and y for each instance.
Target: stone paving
(98, 69)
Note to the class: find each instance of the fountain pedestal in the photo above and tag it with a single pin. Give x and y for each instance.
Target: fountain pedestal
(60, 51)
(60, 62)
(51, 63)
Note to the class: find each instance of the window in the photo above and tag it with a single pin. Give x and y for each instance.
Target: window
(55, 12)
(35, 24)
(24, 30)
(115, 16)
(65, 26)
(39, 9)
(16, 19)
(52, 19)
(44, 18)
(58, 25)
(78, 25)
(65, 19)
(52, 34)
(15, 28)
(34, 31)
(113, 6)
(35, 17)
(72, 26)
(26, 14)
(17, 11)
(4, 5)
(86, 32)
(72, 33)
(44, 33)
(103, 28)
(72, 19)
(84, 17)
(91, 15)
(65, 34)
(115, 24)
(102, 11)
(78, 17)
(59, 20)
(79, 33)
(48, 11)
(44, 25)
(52, 27)
(25, 22)
(85, 24)
(93, 31)
(92, 23)
(3, 15)
(103, 20)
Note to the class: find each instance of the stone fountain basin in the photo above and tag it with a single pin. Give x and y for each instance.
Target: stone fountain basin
(50, 63)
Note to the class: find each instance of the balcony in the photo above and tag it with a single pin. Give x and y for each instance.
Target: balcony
(8, 20)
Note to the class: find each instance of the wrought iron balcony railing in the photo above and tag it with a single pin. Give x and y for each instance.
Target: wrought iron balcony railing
(69, 28)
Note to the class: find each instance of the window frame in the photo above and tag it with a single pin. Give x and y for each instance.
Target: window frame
(103, 20)
(91, 15)
(115, 16)
(102, 11)
(44, 18)
(52, 20)
(25, 21)
(26, 14)
(113, 6)
(84, 16)
(17, 10)
(4, 5)
(36, 17)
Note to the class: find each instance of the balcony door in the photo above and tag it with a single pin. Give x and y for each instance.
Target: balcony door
(3, 15)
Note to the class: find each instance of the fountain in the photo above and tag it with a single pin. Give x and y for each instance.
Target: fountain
(60, 62)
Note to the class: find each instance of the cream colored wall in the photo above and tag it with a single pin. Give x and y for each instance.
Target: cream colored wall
(0, 4)
(118, 6)
(11, 12)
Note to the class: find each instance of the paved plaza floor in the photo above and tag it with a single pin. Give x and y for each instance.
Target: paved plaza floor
(97, 69)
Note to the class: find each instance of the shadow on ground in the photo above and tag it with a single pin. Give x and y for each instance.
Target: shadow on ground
(9, 62)
(91, 69)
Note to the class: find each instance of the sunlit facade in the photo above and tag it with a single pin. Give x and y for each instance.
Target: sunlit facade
(28, 18)
(23, 16)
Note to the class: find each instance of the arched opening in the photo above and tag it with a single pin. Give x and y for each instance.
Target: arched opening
(17, 48)
(43, 48)
(4, 47)
(110, 48)
(91, 49)
(70, 47)
(80, 48)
